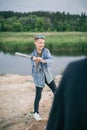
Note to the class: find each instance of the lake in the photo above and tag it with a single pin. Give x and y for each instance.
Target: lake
(11, 64)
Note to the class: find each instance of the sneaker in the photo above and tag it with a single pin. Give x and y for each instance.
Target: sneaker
(37, 116)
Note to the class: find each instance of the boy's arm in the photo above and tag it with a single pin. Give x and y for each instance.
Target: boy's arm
(49, 59)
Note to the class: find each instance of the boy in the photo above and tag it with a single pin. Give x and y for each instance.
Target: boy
(41, 60)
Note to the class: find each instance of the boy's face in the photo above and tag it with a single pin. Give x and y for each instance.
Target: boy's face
(39, 43)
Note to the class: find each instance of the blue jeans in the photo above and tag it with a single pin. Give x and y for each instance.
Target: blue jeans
(52, 86)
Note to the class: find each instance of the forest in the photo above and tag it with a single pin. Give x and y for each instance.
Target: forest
(41, 21)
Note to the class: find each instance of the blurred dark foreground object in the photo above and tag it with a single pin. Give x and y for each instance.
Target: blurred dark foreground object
(69, 108)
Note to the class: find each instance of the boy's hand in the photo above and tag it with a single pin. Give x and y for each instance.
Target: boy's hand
(43, 61)
(38, 59)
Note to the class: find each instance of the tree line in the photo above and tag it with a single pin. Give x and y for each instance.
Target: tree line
(42, 21)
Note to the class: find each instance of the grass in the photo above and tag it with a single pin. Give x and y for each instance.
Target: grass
(57, 42)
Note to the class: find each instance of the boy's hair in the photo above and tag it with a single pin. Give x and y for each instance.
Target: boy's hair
(39, 36)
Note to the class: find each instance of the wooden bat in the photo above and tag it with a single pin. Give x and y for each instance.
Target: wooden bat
(23, 55)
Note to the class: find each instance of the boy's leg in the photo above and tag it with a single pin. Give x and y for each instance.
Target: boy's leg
(52, 86)
(37, 99)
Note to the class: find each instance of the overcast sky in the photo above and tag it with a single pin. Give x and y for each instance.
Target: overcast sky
(71, 6)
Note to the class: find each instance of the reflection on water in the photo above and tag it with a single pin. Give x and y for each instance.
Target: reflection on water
(20, 65)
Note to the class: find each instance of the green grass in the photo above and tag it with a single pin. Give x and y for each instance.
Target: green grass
(57, 42)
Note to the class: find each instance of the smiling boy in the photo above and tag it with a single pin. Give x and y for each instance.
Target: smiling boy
(41, 61)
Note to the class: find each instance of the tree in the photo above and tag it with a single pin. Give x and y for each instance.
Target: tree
(1, 23)
(17, 27)
(47, 24)
(42, 21)
(40, 24)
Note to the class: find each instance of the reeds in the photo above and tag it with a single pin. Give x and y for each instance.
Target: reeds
(58, 43)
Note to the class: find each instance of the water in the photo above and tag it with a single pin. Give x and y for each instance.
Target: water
(11, 64)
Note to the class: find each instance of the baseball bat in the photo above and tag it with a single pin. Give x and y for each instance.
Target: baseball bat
(23, 55)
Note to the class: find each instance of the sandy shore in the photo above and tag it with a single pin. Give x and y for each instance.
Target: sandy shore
(16, 103)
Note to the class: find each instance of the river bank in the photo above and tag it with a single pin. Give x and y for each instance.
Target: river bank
(16, 103)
